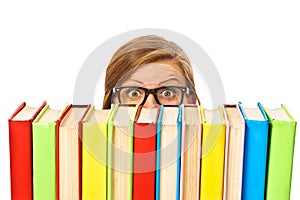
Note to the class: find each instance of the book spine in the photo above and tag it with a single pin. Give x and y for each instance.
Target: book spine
(235, 151)
(144, 163)
(281, 151)
(94, 161)
(20, 143)
(179, 135)
(131, 134)
(158, 149)
(58, 122)
(80, 122)
(110, 129)
(44, 166)
(212, 166)
(255, 158)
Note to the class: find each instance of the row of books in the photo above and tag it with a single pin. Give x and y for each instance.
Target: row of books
(165, 152)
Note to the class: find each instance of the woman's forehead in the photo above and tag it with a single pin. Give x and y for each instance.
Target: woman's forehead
(156, 73)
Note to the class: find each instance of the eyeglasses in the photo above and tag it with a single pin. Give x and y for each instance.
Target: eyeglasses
(163, 95)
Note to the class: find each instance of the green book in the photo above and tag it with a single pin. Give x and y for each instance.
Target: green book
(120, 152)
(281, 153)
(44, 154)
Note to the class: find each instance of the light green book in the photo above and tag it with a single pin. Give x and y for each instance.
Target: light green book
(120, 152)
(44, 153)
(281, 153)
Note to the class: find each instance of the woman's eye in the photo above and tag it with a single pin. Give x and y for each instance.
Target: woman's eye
(167, 93)
(134, 94)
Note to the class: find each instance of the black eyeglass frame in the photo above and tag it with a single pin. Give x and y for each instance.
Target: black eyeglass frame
(185, 90)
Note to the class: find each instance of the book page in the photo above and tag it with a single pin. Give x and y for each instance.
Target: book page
(213, 116)
(50, 116)
(99, 116)
(253, 114)
(26, 113)
(170, 115)
(73, 116)
(278, 114)
(191, 115)
(124, 115)
(148, 115)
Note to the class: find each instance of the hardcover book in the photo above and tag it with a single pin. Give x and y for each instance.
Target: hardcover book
(168, 153)
(20, 146)
(234, 152)
(281, 153)
(70, 152)
(44, 153)
(120, 148)
(144, 149)
(213, 147)
(190, 152)
(255, 152)
(94, 154)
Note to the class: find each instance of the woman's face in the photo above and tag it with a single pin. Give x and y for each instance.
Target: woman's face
(154, 83)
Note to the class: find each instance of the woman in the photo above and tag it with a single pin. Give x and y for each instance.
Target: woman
(149, 70)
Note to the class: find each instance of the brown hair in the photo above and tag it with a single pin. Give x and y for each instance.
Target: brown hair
(144, 50)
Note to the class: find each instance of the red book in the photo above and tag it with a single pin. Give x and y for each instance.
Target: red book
(20, 145)
(144, 149)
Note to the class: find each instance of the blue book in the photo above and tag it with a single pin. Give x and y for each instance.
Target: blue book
(255, 152)
(168, 153)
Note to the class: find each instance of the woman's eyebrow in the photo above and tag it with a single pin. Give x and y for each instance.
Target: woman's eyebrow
(138, 81)
(170, 79)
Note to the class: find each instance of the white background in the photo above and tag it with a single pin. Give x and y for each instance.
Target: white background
(255, 46)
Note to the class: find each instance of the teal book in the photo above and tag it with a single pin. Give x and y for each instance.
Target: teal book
(168, 152)
(281, 153)
(255, 152)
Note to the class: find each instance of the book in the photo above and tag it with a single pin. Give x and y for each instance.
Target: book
(44, 153)
(120, 148)
(144, 149)
(70, 152)
(213, 153)
(58, 122)
(168, 152)
(255, 151)
(281, 152)
(20, 146)
(190, 152)
(94, 150)
(234, 152)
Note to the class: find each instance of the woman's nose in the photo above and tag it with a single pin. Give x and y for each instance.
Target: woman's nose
(150, 102)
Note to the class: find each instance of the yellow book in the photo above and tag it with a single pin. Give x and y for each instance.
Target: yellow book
(213, 144)
(94, 158)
